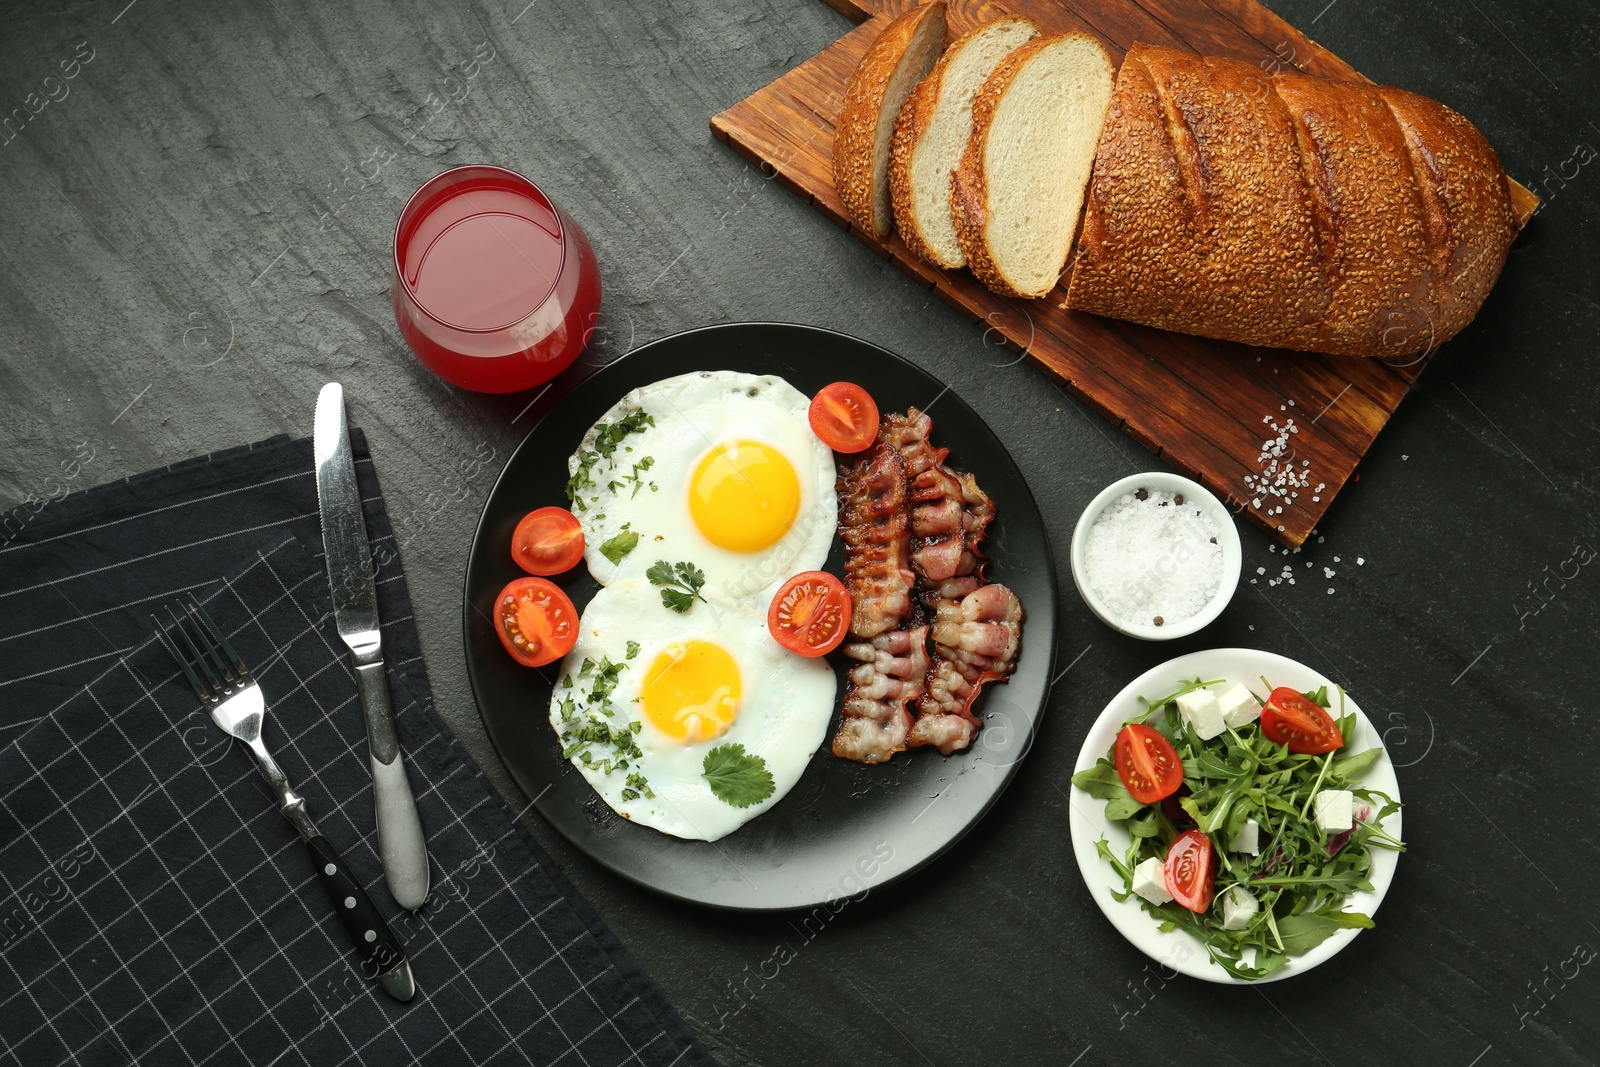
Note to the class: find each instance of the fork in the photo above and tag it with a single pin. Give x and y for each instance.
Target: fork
(232, 696)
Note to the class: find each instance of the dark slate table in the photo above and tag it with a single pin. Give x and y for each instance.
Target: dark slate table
(195, 231)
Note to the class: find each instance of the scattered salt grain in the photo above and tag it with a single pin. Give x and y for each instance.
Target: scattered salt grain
(1330, 590)
(1328, 572)
(1361, 561)
(1153, 558)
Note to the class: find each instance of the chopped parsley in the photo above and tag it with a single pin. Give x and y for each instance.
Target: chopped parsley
(680, 582)
(633, 479)
(607, 437)
(619, 546)
(588, 723)
(736, 778)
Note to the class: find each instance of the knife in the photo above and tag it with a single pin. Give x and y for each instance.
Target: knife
(355, 609)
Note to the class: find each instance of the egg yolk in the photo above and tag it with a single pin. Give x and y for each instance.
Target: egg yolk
(744, 496)
(691, 691)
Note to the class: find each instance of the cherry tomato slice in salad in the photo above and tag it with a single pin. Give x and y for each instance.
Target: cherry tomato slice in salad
(536, 621)
(1291, 719)
(845, 417)
(810, 614)
(547, 541)
(1147, 763)
(1191, 870)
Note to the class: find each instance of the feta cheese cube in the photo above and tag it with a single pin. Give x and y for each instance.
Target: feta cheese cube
(1239, 906)
(1150, 882)
(1239, 706)
(1199, 709)
(1248, 839)
(1334, 809)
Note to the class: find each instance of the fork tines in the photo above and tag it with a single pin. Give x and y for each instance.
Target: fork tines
(212, 666)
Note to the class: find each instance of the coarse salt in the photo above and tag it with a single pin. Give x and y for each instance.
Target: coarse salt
(1155, 558)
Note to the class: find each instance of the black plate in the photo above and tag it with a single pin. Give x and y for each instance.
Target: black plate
(844, 827)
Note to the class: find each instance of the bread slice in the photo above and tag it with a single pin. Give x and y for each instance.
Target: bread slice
(1018, 191)
(932, 132)
(900, 58)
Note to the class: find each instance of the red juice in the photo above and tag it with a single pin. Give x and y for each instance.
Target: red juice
(495, 287)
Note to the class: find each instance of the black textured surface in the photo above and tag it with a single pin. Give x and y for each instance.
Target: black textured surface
(201, 192)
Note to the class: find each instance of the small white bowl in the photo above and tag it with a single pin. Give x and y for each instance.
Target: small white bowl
(1193, 492)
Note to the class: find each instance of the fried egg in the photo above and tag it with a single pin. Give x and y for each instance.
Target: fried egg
(647, 694)
(715, 468)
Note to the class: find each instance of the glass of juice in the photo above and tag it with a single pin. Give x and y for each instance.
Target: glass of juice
(495, 287)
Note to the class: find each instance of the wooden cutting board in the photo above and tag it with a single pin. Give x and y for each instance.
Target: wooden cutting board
(1220, 412)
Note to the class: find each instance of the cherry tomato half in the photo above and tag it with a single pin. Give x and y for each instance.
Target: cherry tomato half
(845, 417)
(536, 621)
(547, 541)
(810, 614)
(1191, 870)
(1147, 763)
(1291, 719)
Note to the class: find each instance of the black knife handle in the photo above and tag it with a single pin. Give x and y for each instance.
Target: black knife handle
(379, 950)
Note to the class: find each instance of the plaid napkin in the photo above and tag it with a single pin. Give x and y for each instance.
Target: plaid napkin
(157, 909)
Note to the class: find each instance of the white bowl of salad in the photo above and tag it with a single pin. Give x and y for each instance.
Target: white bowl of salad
(1236, 816)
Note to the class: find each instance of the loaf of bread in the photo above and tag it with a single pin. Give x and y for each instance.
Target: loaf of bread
(1287, 211)
(932, 131)
(900, 57)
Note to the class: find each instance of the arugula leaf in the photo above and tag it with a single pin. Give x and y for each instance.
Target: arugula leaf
(1352, 767)
(1183, 688)
(1342, 882)
(1100, 781)
(619, 546)
(1104, 783)
(1146, 825)
(736, 778)
(1302, 933)
(680, 582)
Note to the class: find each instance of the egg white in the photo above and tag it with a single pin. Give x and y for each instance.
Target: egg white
(785, 705)
(693, 413)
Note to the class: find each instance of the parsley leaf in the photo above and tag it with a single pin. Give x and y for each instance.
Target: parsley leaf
(736, 778)
(617, 547)
(681, 584)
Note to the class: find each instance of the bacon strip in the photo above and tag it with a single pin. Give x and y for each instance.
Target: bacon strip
(976, 631)
(911, 525)
(976, 626)
(891, 673)
(892, 660)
